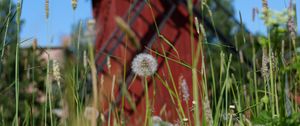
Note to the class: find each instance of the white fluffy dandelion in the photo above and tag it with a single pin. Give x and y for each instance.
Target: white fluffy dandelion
(144, 65)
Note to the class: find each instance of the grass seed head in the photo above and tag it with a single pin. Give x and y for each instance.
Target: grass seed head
(184, 88)
(47, 9)
(74, 4)
(56, 71)
(291, 21)
(265, 7)
(265, 66)
(208, 112)
(34, 44)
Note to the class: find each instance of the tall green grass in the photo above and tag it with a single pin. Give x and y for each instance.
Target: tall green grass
(229, 91)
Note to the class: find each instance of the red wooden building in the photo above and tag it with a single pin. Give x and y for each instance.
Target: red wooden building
(172, 20)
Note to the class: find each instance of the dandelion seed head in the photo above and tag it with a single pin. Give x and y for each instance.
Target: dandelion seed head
(144, 65)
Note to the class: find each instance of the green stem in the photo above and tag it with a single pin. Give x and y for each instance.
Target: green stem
(147, 118)
(254, 77)
(19, 4)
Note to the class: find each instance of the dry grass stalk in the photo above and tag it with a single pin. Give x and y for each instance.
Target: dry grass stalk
(265, 7)
(126, 29)
(47, 9)
(291, 22)
(265, 66)
(208, 112)
(74, 4)
(94, 83)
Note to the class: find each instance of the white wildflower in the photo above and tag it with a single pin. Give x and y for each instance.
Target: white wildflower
(144, 65)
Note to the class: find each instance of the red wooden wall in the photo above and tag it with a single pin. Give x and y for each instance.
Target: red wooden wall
(175, 29)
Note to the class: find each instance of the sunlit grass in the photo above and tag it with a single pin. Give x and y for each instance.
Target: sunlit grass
(225, 91)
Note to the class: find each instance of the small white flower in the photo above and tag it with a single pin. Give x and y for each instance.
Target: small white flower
(144, 65)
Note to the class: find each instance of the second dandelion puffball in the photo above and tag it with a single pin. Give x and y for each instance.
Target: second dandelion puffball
(144, 65)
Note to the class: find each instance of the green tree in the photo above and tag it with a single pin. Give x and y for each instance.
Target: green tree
(31, 72)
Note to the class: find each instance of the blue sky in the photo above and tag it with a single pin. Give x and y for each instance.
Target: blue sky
(246, 6)
(62, 17)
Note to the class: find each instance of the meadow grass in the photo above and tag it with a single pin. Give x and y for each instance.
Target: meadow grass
(231, 92)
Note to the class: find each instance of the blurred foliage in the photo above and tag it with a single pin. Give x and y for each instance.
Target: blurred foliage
(32, 73)
(247, 53)
(265, 118)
